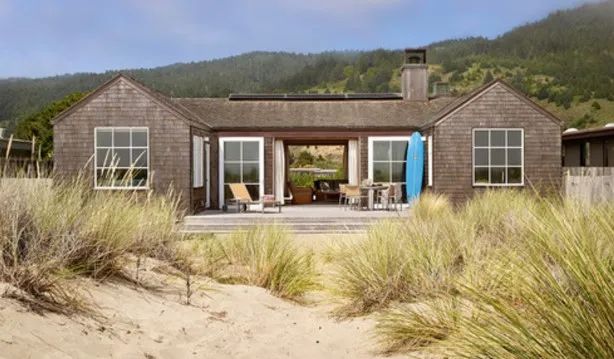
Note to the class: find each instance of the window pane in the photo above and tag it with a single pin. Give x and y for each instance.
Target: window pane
(497, 175)
(497, 157)
(251, 151)
(103, 138)
(139, 158)
(514, 156)
(104, 178)
(103, 157)
(139, 178)
(121, 157)
(481, 156)
(381, 150)
(514, 138)
(139, 138)
(121, 138)
(232, 151)
(497, 138)
(399, 150)
(254, 191)
(121, 178)
(381, 172)
(481, 138)
(398, 172)
(514, 175)
(251, 172)
(481, 175)
(232, 172)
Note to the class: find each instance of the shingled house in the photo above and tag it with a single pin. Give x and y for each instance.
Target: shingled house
(491, 137)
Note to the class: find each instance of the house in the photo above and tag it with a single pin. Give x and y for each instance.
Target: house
(589, 148)
(491, 137)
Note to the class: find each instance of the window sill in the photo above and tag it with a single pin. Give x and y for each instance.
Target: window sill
(477, 185)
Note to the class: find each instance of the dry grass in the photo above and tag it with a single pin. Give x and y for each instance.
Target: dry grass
(49, 232)
(263, 256)
(534, 279)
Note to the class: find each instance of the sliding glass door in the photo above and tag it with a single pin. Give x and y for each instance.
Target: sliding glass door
(242, 161)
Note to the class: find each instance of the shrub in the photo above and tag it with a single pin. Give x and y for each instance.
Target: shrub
(265, 256)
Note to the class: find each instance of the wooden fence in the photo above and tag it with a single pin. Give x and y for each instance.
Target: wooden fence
(24, 167)
(589, 184)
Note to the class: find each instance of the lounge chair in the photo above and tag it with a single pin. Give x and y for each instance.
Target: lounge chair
(242, 198)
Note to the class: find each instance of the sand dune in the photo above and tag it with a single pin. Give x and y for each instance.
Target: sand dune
(224, 321)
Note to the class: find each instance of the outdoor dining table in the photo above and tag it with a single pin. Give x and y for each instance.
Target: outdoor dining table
(371, 194)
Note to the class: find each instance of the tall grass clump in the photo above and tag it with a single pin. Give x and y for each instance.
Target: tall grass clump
(408, 262)
(49, 231)
(563, 290)
(537, 282)
(265, 256)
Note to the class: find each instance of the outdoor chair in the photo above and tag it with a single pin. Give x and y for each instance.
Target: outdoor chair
(391, 195)
(242, 198)
(354, 196)
(342, 197)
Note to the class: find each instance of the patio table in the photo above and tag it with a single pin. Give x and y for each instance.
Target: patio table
(371, 194)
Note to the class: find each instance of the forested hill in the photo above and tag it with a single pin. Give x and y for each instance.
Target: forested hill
(565, 61)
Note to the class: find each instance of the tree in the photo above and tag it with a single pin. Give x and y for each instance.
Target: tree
(39, 124)
(488, 77)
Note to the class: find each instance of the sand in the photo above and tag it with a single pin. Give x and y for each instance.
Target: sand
(224, 321)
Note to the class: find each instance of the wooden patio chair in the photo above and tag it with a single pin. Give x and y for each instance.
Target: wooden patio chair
(354, 196)
(242, 198)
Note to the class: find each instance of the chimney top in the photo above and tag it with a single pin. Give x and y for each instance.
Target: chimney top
(414, 75)
(415, 56)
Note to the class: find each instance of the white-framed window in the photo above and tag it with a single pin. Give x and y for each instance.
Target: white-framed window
(498, 156)
(241, 161)
(388, 159)
(121, 158)
(198, 162)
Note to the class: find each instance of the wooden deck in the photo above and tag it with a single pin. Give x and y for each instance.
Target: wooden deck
(307, 219)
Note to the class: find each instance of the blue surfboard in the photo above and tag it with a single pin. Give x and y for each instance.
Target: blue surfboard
(414, 170)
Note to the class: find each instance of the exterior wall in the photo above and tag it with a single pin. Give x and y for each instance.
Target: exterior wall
(589, 152)
(497, 107)
(573, 154)
(122, 104)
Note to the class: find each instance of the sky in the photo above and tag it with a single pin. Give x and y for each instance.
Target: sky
(45, 38)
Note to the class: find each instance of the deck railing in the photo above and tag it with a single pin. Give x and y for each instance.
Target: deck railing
(589, 184)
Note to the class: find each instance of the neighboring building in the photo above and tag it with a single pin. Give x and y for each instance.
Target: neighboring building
(19, 149)
(492, 137)
(589, 148)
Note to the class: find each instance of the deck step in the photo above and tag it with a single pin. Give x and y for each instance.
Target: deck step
(297, 225)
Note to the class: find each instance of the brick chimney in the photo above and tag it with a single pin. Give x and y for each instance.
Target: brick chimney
(414, 75)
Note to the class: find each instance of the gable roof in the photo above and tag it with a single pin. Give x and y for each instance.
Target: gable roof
(154, 95)
(462, 101)
(224, 114)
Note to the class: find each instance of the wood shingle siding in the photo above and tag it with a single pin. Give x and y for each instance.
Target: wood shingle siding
(496, 107)
(122, 104)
